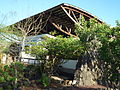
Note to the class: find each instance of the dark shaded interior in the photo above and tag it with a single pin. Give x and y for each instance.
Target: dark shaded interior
(61, 18)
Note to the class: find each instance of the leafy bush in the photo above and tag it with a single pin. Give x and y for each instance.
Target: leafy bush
(110, 53)
(44, 80)
(51, 51)
(105, 41)
(11, 74)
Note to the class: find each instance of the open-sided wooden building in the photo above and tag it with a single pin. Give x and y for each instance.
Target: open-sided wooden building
(61, 18)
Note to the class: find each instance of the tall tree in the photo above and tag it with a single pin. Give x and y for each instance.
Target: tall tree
(89, 66)
(30, 26)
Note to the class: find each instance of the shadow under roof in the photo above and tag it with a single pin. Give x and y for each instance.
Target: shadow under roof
(61, 18)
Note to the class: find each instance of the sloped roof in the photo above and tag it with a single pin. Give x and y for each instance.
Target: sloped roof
(62, 18)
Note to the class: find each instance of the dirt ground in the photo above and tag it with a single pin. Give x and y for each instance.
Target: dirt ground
(55, 85)
(61, 87)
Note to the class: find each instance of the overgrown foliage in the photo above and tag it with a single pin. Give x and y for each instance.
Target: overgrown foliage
(10, 75)
(110, 53)
(102, 43)
(52, 50)
(95, 41)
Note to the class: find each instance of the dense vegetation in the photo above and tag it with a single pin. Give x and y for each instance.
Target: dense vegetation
(102, 43)
(96, 41)
(110, 54)
(52, 50)
(11, 75)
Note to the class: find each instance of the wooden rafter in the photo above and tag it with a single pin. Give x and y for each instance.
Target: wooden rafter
(77, 12)
(59, 28)
(80, 16)
(74, 16)
(69, 11)
(68, 14)
(69, 30)
(63, 14)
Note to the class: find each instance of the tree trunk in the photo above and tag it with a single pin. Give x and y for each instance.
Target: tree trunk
(22, 48)
(87, 70)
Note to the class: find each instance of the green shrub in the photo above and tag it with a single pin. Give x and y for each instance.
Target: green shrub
(44, 80)
(11, 74)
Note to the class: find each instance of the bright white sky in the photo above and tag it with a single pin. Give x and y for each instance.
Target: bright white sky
(12, 11)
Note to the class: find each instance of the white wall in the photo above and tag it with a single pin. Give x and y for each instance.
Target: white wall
(4, 59)
(71, 64)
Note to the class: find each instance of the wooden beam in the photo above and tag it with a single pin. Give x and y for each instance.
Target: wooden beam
(74, 16)
(68, 14)
(59, 28)
(79, 12)
(69, 11)
(69, 30)
(80, 16)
